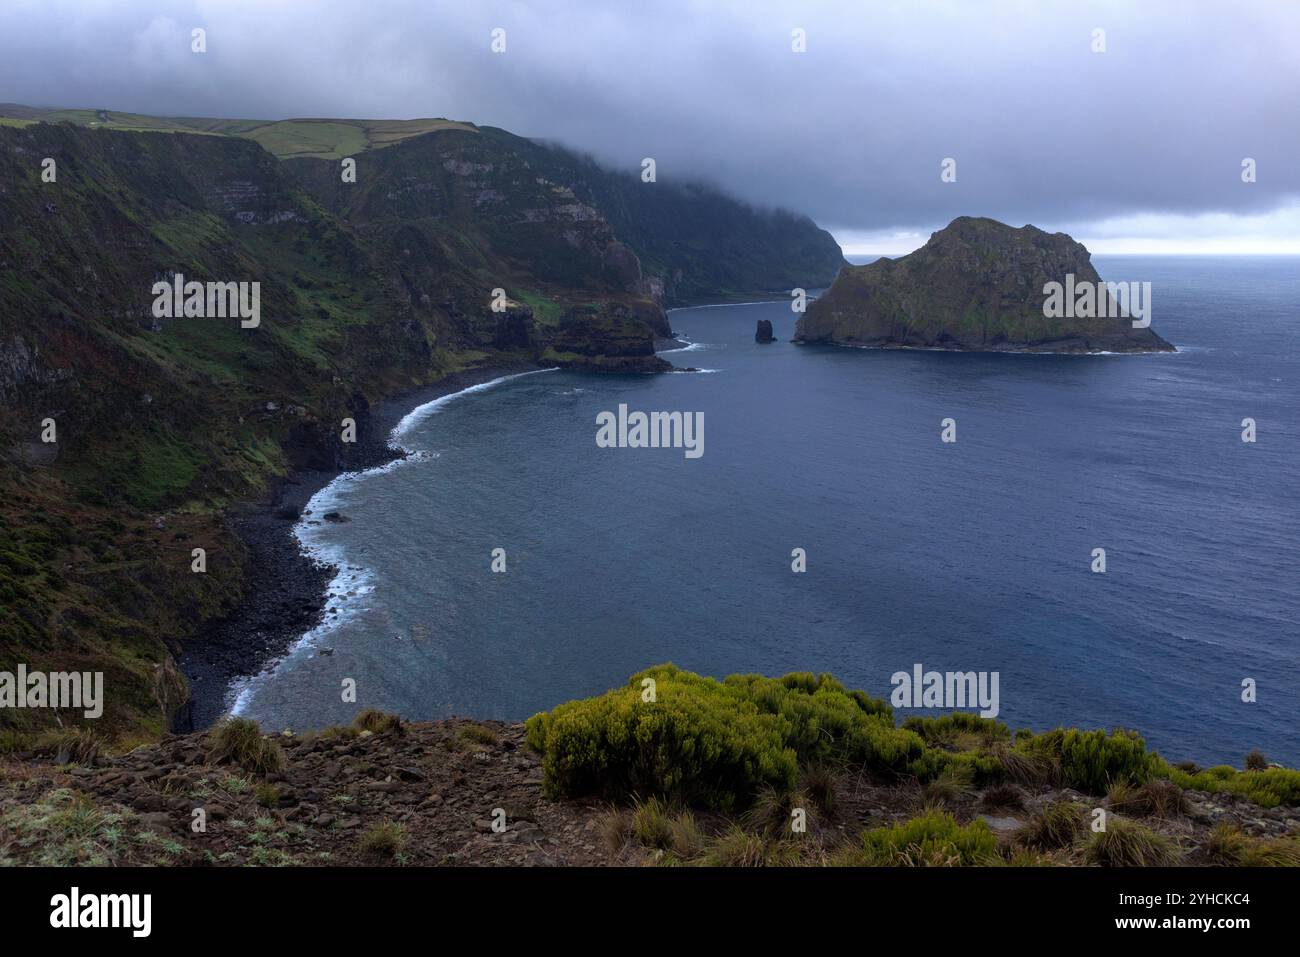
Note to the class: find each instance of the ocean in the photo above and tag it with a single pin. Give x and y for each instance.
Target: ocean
(974, 555)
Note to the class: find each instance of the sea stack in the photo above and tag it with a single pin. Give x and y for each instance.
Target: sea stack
(981, 285)
(764, 331)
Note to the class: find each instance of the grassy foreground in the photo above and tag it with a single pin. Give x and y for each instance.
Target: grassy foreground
(671, 769)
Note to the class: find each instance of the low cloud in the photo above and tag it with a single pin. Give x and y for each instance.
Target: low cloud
(1150, 133)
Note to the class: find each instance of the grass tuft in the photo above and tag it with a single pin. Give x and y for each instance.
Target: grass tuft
(1056, 826)
(377, 722)
(1159, 797)
(1130, 844)
(384, 839)
(240, 741)
(479, 734)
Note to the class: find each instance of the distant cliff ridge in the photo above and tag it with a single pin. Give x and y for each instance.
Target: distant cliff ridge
(981, 285)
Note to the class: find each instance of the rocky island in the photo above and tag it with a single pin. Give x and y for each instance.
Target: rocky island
(981, 285)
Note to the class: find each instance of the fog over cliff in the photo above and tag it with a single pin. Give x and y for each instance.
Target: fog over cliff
(1135, 148)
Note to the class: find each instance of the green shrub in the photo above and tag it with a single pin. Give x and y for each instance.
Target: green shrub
(707, 742)
(1271, 787)
(977, 768)
(934, 839)
(699, 741)
(240, 741)
(1129, 844)
(1093, 761)
(961, 731)
(824, 722)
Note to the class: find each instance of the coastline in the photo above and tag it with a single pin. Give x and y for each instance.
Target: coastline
(287, 588)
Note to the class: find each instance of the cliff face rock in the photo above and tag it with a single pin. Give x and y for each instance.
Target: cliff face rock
(603, 337)
(976, 285)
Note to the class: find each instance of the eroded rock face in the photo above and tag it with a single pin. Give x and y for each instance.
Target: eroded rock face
(977, 285)
(607, 337)
(764, 331)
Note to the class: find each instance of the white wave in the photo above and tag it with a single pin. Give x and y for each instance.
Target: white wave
(422, 412)
(694, 347)
(351, 583)
(724, 305)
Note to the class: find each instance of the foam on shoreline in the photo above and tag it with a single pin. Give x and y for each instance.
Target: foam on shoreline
(351, 583)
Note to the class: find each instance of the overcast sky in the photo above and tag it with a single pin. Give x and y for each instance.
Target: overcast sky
(1138, 148)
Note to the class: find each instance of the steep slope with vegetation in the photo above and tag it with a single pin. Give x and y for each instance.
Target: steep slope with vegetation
(672, 769)
(694, 242)
(367, 290)
(976, 285)
(159, 423)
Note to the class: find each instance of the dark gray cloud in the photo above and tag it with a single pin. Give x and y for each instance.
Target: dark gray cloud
(852, 132)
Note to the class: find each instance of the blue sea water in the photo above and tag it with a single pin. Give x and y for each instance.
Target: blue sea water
(967, 556)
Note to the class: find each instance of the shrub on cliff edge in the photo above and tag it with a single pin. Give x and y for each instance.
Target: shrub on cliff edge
(1091, 761)
(711, 743)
